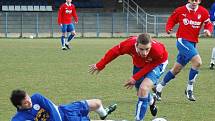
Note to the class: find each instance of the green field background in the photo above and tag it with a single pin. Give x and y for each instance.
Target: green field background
(39, 65)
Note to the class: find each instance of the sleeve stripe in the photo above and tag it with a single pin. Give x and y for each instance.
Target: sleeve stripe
(207, 20)
(56, 107)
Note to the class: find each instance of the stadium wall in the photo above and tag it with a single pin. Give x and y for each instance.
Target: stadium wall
(44, 24)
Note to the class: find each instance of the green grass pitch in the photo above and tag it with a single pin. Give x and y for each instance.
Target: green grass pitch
(39, 65)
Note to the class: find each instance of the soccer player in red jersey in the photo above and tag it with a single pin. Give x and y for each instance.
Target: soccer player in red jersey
(190, 18)
(65, 14)
(149, 60)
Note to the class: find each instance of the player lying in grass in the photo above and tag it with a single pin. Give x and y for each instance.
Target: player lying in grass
(39, 108)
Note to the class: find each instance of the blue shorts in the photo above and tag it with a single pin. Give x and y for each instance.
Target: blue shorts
(186, 51)
(75, 111)
(67, 28)
(154, 75)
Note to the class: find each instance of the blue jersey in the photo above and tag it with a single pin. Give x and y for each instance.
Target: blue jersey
(42, 110)
(212, 12)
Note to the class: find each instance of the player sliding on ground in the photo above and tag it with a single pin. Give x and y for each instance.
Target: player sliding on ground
(39, 108)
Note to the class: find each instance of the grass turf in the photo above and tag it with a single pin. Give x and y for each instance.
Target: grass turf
(39, 65)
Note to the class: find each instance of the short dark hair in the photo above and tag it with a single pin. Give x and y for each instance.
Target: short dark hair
(144, 39)
(17, 96)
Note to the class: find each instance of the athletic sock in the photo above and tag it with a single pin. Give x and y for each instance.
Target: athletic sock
(192, 77)
(159, 87)
(63, 41)
(169, 76)
(71, 36)
(101, 111)
(141, 108)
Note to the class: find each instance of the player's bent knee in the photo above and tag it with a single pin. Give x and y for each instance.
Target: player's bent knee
(197, 64)
(143, 90)
(98, 102)
(176, 70)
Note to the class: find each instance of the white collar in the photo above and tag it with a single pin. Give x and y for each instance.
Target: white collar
(188, 8)
(68, 4)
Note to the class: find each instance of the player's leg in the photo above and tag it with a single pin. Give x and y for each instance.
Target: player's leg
(143, 99)
(63, 41)
(96, 105)
(142, 103)
(214, 28)
(153, 75)
(178, 66)
(75, 111)
(212, 63)
(167, 78)
(196, 63)
(195, 59)
(71, 30)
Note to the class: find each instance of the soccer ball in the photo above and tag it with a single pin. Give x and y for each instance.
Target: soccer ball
(159, 119)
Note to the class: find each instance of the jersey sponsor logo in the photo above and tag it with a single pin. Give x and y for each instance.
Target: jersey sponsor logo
(42, 115)
(185, 21)
(184, 15)
(36, 107)
(68, 11)
(199, 16)
(194, 24)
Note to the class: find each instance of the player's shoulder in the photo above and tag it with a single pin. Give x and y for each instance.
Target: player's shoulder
(157, 46)
(130, 40)
(181, 8)
(201, 8)
(18, 117)
(36, 95)
(156, 42)
(62, 5)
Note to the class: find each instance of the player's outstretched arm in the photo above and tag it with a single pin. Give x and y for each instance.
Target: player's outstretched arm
(130, 83)
(93, 69)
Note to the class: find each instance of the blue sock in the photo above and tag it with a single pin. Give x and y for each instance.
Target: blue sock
(71, 36)
(192, 76)
(167, 78)
(63, 41)
(141, 108)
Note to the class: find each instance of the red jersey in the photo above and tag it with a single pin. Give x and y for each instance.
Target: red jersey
(190, 22)
(65, 14)
(156, 56)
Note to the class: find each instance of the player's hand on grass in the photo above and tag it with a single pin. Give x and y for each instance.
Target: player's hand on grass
(169, 31)
(130, 83)
(93, 69)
